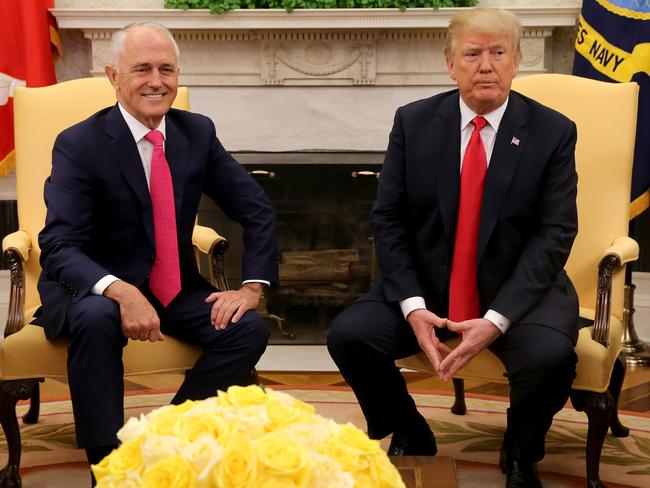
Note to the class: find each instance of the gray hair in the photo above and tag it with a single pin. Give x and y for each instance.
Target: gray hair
(117, 40)
(492, 21)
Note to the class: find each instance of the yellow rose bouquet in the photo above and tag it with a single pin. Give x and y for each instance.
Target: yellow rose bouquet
(246, 437)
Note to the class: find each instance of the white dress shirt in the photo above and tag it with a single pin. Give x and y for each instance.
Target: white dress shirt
(488, 136)
(145, 148)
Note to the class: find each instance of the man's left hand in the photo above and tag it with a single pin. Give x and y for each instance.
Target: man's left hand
(476, 335)
(230, 306)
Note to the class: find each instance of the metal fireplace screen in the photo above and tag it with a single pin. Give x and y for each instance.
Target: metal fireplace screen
(322, 201)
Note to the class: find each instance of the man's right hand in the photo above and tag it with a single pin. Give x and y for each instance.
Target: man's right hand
(140, 321)
(424, 325)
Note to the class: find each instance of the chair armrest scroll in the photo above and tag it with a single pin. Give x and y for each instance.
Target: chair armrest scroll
(209, 242)
(623, 250)
(16, 247)
(20, 242)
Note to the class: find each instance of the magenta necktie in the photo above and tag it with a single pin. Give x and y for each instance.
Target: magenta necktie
(464, 302)
(165, 277)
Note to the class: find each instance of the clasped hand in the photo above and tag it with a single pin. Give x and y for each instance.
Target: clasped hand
(475, 334)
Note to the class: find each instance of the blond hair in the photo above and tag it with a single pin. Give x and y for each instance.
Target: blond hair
(492, 21)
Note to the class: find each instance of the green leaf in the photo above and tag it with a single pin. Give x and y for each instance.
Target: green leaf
(221, 6)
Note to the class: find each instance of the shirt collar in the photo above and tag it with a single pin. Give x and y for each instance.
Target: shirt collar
(493, 118)
(137, 128)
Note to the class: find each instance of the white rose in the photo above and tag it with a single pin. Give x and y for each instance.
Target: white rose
(158, 447)
(134, 427)
(202, 454)
(328, 473)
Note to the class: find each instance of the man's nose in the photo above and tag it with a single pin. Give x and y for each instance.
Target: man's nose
(485, 61)
(154, 79)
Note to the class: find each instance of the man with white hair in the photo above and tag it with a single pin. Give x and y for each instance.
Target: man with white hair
(474, 220)
(116, 249)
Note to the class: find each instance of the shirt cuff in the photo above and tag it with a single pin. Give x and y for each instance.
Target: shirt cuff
(410, 304)
(102, 284)
(264, 282)
(502, 323)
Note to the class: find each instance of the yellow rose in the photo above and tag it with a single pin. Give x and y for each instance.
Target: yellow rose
(110, 482)
(172, 472)
(385, 472)
(364, 479)
(290, 401)
(127, 459)
(280, 455)
(242, 396)
(238, 467)
(354, 437)
(162, 421)
(100, 470)
(348, 457)
(190, 427)
(268, 481)
(282, 415)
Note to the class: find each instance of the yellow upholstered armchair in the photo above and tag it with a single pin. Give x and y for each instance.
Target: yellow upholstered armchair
(602, 248)
(26, 357)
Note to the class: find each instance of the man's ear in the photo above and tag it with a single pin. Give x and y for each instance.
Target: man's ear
(111, 73)
(450, 67)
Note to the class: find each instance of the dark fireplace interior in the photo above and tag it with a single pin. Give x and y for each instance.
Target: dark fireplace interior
(322, 201)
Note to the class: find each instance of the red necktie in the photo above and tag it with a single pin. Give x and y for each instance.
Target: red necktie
(464, 300)
(165, 277)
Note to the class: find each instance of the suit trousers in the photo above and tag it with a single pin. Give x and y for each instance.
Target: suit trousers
(95, 370)
(367, 338)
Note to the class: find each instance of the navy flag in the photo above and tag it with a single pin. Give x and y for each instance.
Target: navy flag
(613, 44)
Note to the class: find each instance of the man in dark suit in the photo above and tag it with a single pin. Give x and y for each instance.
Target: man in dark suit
(474, 220)
(116, 249)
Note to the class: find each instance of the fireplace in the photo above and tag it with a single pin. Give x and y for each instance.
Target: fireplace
(322, 202)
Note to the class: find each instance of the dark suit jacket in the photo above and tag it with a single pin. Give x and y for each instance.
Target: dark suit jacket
(99, 217)
(528, 215)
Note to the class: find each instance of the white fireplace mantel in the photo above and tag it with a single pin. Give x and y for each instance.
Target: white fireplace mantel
(377, 47)
(272, 19)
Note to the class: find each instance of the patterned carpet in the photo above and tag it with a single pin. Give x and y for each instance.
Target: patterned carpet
(51, 461)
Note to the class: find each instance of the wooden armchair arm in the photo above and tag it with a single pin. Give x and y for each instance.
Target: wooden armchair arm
(623, 250)
(207, 241)
(16, 247)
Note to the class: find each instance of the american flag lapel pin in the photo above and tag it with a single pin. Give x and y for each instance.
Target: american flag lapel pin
(514, 141)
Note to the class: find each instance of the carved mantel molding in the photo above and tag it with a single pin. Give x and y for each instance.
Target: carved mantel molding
(278, 19)
(311, 47)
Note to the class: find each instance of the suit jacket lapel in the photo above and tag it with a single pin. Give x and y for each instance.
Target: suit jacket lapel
(125, 154)
(509, 141)
(446, 144)
(176, 152)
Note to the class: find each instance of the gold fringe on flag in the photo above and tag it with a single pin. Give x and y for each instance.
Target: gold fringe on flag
(7, 164)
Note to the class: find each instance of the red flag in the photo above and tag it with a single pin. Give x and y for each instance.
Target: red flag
(27, 38)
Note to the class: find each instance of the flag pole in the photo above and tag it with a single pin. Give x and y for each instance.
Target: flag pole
(636, 351)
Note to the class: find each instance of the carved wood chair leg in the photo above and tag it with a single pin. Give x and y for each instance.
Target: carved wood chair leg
(10, 392)
(31, 417)
(459, 407)
(615, 385)
(598, 407)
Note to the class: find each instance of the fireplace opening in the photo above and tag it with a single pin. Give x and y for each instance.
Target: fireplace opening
(322, 202)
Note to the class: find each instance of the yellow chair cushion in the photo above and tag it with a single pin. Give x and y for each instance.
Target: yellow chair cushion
(590, 373)
(49, 358)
